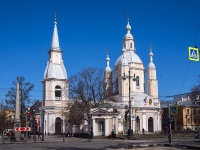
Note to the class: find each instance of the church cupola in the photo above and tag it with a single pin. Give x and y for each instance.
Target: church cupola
(151, 65)
(128, 41)
(107, 63)
(108, 90)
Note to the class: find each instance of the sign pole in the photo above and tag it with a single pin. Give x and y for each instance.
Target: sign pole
(169, 128)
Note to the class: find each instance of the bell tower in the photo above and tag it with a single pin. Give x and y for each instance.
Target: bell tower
(55, 85)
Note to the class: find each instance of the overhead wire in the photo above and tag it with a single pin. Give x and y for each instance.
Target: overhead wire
(189, 61)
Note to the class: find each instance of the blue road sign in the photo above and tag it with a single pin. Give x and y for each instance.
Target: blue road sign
(169, 121)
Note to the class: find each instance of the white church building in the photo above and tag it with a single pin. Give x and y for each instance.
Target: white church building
(119, 89)
(128, 83)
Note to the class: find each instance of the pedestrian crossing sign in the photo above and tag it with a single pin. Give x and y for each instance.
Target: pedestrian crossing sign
(193, 53)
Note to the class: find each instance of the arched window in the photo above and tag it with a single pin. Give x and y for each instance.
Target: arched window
(131, 45)
(58, 92)
(137, 81)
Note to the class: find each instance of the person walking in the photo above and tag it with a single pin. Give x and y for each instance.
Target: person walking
(143, 131)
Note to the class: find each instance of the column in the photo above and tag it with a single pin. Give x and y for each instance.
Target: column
(116, 125)
(144, 118)
(94, 126)
(158, 123)
(106, 127)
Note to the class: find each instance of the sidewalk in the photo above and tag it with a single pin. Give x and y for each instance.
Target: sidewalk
(50, 138)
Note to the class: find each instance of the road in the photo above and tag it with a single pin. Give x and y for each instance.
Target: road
(57, 143)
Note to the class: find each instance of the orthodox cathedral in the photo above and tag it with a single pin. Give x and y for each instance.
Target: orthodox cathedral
(124, 91)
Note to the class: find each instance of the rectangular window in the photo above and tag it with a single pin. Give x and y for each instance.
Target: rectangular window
(188, 111)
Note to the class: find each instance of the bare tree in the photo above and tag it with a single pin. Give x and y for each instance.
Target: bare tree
(76, 114)
(87, 84)
(87, 88)
(195, 92)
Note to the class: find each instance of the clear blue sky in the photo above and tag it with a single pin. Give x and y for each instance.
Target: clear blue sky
(87, 28)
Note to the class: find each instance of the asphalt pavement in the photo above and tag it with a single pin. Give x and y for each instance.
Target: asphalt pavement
(54, 142)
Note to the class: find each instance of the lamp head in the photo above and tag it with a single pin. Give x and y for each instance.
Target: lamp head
(134, 79)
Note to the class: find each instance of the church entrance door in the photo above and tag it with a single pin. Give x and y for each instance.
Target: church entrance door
(101, 128)
(150, 124)
(58, 126)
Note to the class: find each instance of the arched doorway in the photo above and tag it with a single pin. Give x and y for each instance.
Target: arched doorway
(58, 126)
(150, 124)
(101, 128)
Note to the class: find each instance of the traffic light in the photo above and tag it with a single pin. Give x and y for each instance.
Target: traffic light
(28, 116)
(126, 116)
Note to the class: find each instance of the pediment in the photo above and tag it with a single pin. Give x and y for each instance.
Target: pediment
(99, 111)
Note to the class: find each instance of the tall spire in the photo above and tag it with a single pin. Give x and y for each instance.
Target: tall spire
(107, 62)
(151, 64)
(128, 41)
(128, 27)
(151, 54)
(55, 41)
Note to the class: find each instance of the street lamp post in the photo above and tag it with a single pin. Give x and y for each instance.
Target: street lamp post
(4, 125)
(89, 134)
(170, 127)
(136, 123)
(34, 126)
(43, 124)
(130, 131)
(62, 127)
